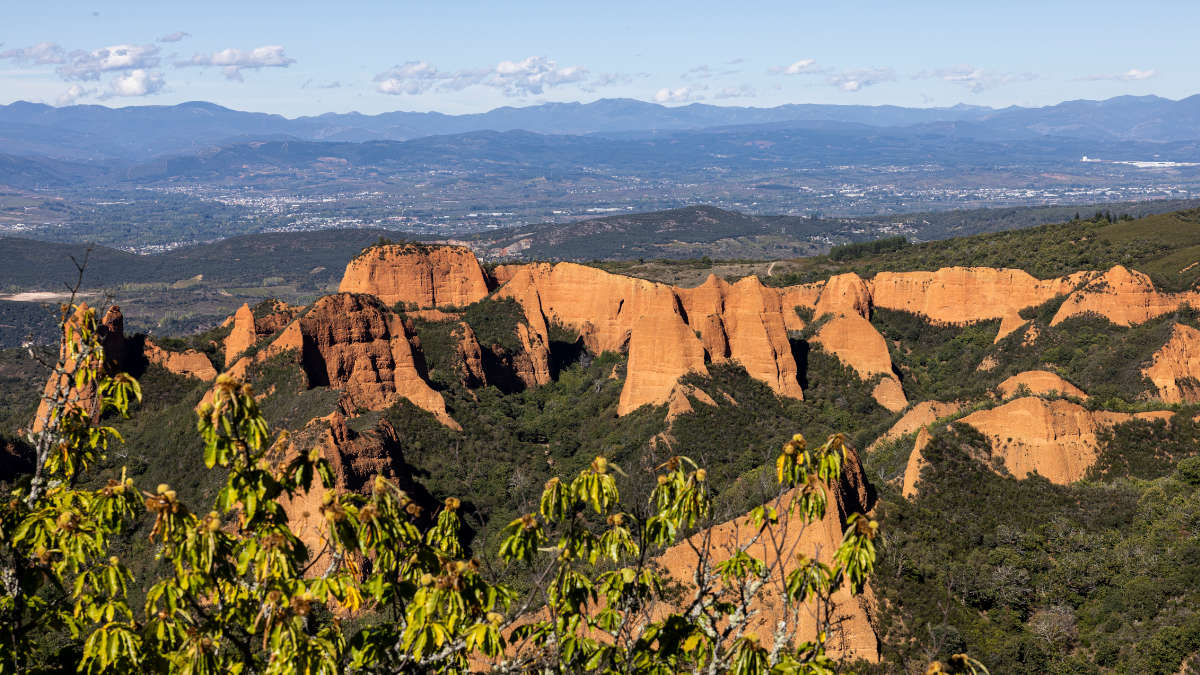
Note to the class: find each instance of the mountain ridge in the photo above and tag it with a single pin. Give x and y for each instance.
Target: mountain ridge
(134, 133)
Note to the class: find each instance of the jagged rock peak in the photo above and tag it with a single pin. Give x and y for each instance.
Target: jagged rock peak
(417, 275)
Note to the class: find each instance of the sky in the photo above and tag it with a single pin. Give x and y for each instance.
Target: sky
(305, 57)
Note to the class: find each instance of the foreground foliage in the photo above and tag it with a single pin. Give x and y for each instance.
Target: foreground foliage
(242, 594)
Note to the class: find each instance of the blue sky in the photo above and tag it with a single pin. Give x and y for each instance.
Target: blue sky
(305, 57)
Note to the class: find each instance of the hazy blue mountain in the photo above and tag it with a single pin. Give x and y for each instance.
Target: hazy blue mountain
(676, 154)
(137, 133)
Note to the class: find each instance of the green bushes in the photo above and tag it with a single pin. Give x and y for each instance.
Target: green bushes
(937, 362)
(1029, 576)
(1188, 470)
(860, 249)
(1145, 448)
(495, 322)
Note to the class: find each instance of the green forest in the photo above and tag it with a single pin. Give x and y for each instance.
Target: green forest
(1021, 574)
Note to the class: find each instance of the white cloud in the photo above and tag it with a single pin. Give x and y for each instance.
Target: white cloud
(535, 74)
(174, 37)
(678, 95)
(136, 83)
(72, 94)
(234, 61)
(801, 67)
(974, 79)
(85, 65)
(43, 53)
(700, 72)
(859, 78)
(531, 76)
(1131, 75)
(412, 78)
(740, 91)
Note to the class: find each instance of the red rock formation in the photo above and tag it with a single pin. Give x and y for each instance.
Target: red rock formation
(857, 344)
(501, 274)
(918, 417)
(471, 356)
(351, 343)
(956, 295)
(276, 319)
(189, 363)
(1123, 296)
(110, 332)
(247, 330)
(1039, 382)
(354, 459)
(854, 636)
(533, 361)
(679, 402)
(844, 294)
(243, 336)
(845, 304)
(744, 322)
(805, 296)
(425, 276)
(916, 463)
(662, 349)
(1175, 368)
(602, 307)
(1055, 439)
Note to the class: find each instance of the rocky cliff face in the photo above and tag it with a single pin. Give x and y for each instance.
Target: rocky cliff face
(658, 325)
(917, 418)
(1054, 439)
(1039, 382)
(844, 305)
(1175, 368)
(247, 330)
(189, 363)
(966, 294)
(854, 637)
(844, 295)
(662, 349)
(416, 275)
(350, 342)
(857, 344)
(957, 295)
(745, 322)
(111, 332)
(471, 355)
(1122, 296)
(242, 335)
(354, 458)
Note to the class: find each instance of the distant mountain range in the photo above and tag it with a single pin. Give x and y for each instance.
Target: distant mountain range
(135, 134)
(688, 155)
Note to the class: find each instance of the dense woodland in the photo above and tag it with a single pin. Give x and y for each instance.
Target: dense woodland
(1102, 576)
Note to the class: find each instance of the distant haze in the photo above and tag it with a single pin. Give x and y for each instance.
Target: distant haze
(92, 132)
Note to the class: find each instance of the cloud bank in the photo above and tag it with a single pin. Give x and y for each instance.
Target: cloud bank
(1131, 75)
(90, 65)
(233, 61)
(974, 79)
(531, 76)
(43, 53)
